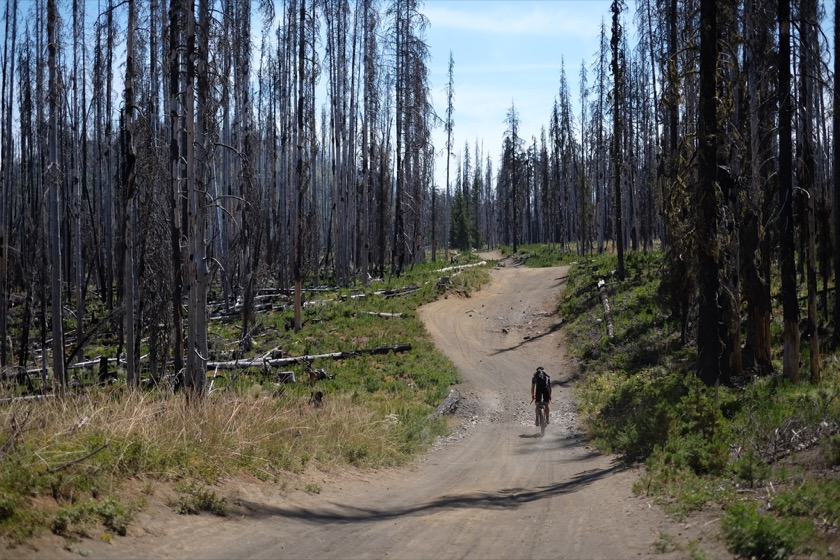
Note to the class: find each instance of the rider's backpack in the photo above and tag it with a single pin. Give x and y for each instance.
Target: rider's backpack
(541, 379)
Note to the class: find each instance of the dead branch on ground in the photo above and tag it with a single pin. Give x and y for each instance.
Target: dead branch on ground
(278, 362)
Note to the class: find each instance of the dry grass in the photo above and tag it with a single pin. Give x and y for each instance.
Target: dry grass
(225, 430)
(88, 447)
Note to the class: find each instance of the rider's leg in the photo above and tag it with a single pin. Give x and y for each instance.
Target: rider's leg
(546, 414)
(537, 415)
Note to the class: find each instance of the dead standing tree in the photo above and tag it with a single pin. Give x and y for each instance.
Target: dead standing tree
(130, 178)
(304, 143)
(835, 126)
(177, 154)
(808, 39)
(790, 304)
(195, 263)
(618, 71)
(6, 151)
(706, 201)
(54, 184)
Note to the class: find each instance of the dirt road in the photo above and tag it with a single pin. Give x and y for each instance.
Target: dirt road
(491, 490)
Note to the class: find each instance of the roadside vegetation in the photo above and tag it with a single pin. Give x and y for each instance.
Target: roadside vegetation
(89, 463)
(539, 255)
(761, 458)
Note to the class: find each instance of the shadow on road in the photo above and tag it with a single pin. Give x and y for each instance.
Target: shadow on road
(567, 444)
(530, 436)
(552, 329)
(501, 499)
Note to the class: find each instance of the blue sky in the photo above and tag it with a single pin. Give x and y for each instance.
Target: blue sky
(506, 51)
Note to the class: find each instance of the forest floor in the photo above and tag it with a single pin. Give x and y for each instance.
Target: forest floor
(492, 489)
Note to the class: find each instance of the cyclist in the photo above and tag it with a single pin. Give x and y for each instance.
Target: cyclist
(540, 392)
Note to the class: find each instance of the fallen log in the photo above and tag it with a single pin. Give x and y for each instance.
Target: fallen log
(289, 292)
(462, 266)
(388, 293)
(449, 404)
(97, 361)
(79, 460)
(277, 362)
(385, 315)
(8, 400)
(236, 312)
(605, 300)
(90, 363)
(12, 372)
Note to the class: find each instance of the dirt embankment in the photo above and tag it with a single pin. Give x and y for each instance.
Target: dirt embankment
(493, 489)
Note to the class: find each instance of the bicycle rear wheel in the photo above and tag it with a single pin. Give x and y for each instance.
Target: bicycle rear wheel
(542, 421)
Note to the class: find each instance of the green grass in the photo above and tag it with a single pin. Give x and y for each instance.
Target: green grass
(539, 255)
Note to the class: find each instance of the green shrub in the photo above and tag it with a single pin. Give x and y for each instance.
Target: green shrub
(195, 498)
(75, 519)
(372, 384)
(692, 451)
(831, 450)
(64, 519)
(356, 454)
(750, 468)
(819, 499)
(753, 532)
(8, 507)
(114, 515)
(697, 432)
(633, 414)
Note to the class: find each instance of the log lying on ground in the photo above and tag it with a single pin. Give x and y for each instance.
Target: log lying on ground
(12, 372)
(236, 312)
(91, 363)
(602, 289)
(449, 404)
(461, 266)
(383, 314)
(26, 398)
(397, 292)
(289, 292)
(277, 362)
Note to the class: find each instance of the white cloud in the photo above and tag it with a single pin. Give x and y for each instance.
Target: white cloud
(517, 18)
